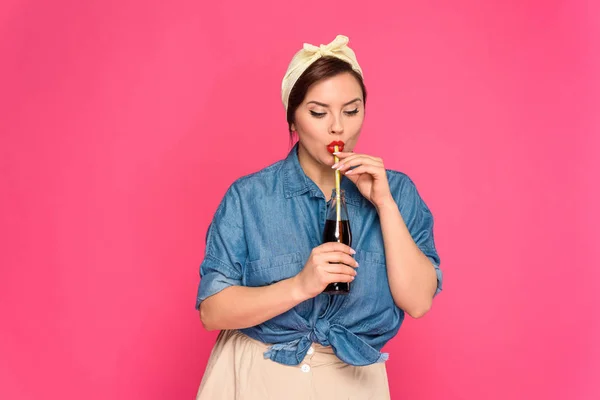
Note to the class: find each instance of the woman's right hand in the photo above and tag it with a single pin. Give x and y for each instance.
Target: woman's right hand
(328, 263)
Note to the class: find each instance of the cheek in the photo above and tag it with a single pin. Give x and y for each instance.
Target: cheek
(355, 125)
(309, 127)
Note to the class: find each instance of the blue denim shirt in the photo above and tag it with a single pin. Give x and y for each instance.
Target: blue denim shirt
(264, 230)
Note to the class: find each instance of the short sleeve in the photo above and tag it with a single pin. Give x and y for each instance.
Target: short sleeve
(419, 221)
(226, 249)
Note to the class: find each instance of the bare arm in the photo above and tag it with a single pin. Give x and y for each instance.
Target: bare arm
(411, 275)
(238, 307)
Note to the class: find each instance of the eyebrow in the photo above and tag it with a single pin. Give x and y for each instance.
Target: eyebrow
(327, 105)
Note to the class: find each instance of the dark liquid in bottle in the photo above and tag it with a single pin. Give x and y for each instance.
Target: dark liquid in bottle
(341, 235)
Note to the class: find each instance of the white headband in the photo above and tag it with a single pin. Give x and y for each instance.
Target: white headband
(309, 54)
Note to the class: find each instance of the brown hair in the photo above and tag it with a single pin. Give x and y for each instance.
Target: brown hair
(323, 68)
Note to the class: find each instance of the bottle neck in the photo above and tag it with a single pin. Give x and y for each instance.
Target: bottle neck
(342, 194)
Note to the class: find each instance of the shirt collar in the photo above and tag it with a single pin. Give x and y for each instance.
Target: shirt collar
(295, 181)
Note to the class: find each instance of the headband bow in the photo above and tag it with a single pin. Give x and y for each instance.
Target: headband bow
(327, 49)
(309, 54)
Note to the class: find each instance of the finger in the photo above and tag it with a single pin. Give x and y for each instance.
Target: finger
(354, 165)
(343, 154)
(353, 162)
(330, 278)
(368, 169)
(335, 246)
(338, 257)
(339, 269)
(347, 156)
(354, 156)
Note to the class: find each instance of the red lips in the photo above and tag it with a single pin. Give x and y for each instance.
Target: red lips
(331, 146)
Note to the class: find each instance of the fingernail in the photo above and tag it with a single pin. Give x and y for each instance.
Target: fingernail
(357, 264)
(352, 251)
(348, 172)
(336, 153)
(335, 165)
(340, 167)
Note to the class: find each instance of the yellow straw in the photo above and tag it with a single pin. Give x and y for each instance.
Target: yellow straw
(338, 207)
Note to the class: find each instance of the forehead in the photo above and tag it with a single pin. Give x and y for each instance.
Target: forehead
(340, 88)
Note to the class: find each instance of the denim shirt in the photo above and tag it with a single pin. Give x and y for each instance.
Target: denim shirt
(263, 232)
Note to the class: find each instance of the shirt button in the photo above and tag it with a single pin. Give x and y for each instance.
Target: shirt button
(305, 368)
(310, 351)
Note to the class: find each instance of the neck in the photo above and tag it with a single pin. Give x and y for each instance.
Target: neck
(322, 175)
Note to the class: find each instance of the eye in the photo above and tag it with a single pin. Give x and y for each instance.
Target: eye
(316, 114)
(353, 112)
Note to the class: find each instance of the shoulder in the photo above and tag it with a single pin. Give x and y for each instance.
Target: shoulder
(399, 181)
(252, 185)
(256, 183)
(404, 189)
(265, 175)
(241, 196)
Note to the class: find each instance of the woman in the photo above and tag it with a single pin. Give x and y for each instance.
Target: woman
(265, 268)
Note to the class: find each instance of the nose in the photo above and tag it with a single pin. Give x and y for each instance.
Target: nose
(336, 126)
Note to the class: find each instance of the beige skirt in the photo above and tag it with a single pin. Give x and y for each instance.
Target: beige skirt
(237, 370)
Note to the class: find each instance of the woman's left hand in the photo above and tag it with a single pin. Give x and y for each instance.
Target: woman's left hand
(369, 177)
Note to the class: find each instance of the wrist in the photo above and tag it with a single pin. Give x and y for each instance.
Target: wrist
(386, 204)
(296, 290)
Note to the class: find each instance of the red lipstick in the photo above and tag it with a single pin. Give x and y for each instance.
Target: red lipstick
(331, 146)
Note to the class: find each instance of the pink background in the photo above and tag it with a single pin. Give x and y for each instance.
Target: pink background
(122, 123)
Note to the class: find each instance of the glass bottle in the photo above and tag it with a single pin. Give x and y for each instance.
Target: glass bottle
(337, 229)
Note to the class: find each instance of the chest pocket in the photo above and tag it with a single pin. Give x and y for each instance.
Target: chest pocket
(371, 285)
(273, 269)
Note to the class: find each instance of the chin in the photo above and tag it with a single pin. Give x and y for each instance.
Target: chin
(328, 160)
